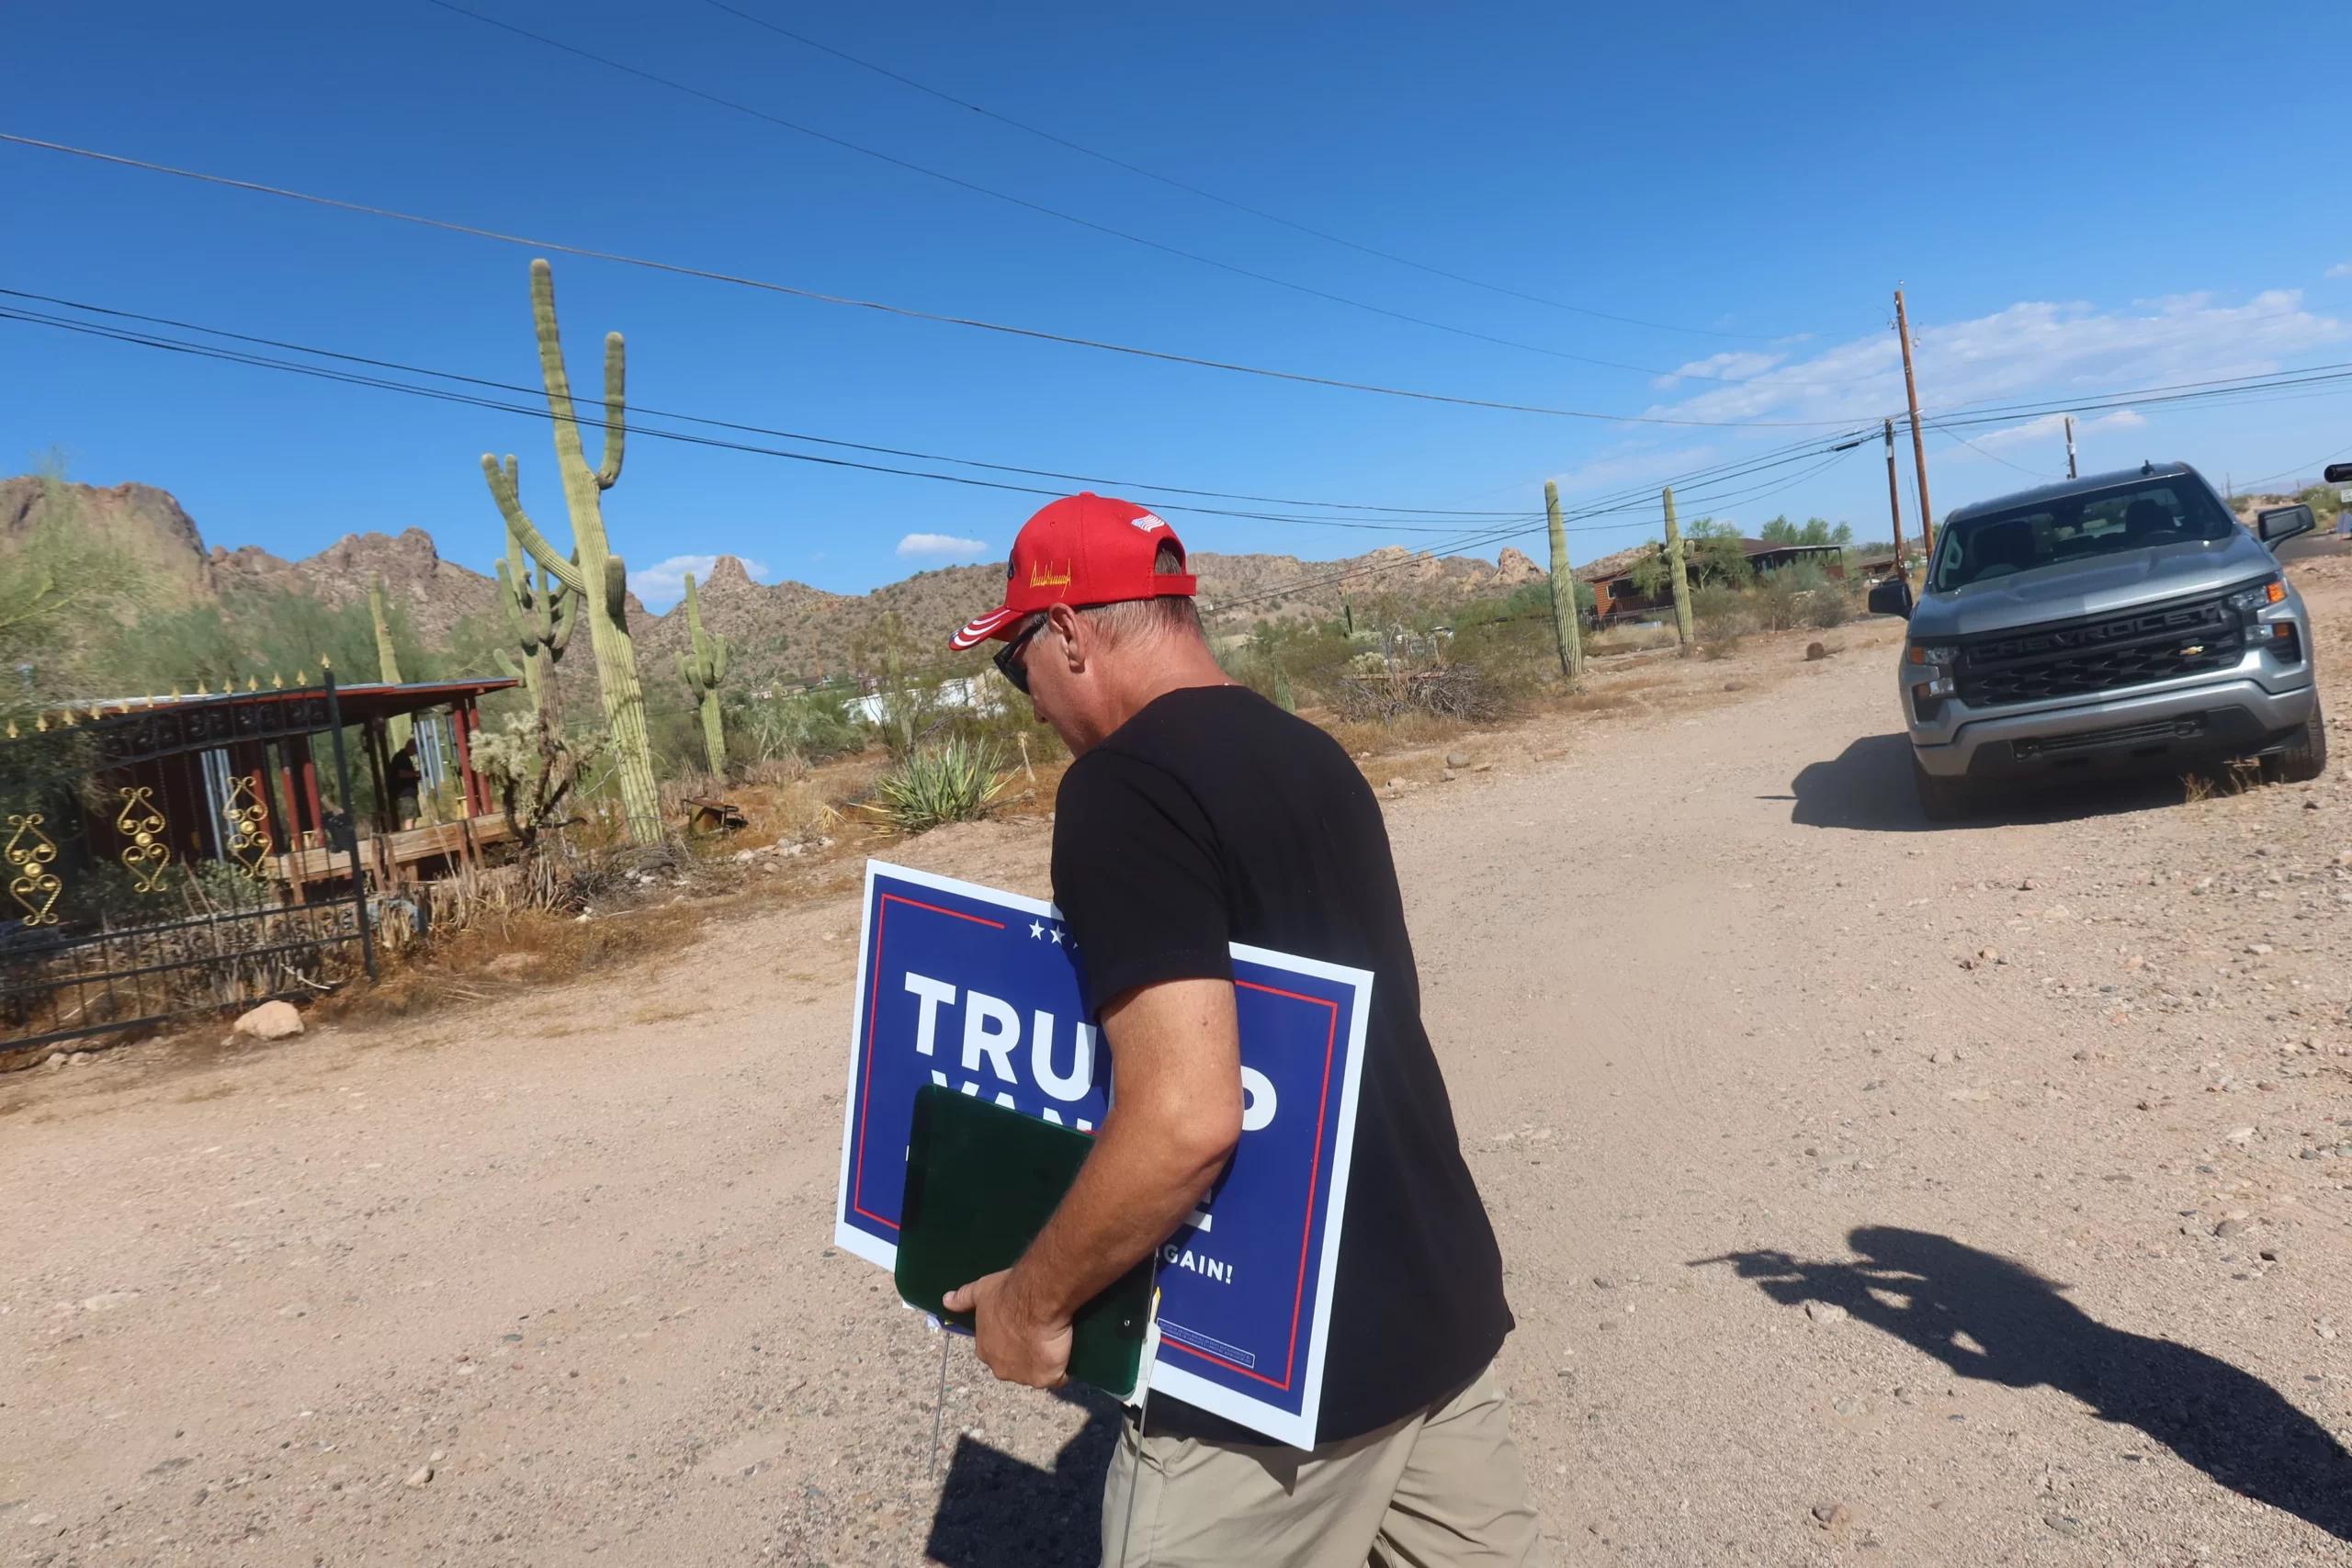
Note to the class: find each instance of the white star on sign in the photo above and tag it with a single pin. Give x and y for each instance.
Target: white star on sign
(1036, 930)
(1058, 936)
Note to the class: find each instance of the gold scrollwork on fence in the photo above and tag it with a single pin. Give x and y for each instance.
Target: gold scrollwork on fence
(249, 841)
(146, 853)
(27, 853)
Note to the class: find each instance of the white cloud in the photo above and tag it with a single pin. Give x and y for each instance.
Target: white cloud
(940, 546)
(2033, 349)
(2052, 427)
(660, 586)
(1621, 467)
(1737, 366)
(2341, 269)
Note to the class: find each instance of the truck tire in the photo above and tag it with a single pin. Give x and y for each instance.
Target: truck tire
(1944, 799)
(2304, 757)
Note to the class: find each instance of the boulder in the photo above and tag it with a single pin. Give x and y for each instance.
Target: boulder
(271, 1021)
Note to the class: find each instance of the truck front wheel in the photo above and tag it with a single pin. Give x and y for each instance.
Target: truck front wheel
(2304, 757)
(1941, 798)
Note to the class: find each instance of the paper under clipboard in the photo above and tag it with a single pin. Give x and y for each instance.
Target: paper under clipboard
(981, 1182)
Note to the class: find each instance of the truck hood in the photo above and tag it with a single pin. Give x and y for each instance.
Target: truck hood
(2101, 585)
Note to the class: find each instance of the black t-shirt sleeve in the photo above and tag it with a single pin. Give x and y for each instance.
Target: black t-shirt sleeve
(1137, 875)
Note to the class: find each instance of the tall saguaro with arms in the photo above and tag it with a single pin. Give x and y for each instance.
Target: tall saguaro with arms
(592, 572)
(704, 664)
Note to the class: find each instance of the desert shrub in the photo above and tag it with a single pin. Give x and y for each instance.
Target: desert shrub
(1007, 726)
(1778, 601)
(1831, 605)
(1719, 611)
(948, 780)
(1461, 691)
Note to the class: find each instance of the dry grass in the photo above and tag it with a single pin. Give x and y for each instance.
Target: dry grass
(484, 961)
(1629, 637)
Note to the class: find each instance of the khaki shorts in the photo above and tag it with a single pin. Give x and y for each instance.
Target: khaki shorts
(1442, 1489)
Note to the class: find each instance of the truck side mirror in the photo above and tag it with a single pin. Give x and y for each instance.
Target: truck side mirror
(2275, 524)
(1892, 597)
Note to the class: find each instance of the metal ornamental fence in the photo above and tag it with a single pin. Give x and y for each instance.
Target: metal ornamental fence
(155, 877)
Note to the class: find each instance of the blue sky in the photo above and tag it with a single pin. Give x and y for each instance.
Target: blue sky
(2076, 199)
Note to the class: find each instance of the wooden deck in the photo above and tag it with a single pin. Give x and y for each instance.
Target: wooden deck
(409, 850)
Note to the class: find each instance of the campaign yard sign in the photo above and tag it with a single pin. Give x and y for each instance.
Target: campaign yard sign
(978, 989)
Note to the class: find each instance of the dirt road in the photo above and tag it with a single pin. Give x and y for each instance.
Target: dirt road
(1965, 1197)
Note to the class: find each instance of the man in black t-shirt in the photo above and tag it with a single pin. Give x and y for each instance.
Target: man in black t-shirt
(1197, 815)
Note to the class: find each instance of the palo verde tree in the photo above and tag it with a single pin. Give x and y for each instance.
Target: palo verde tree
(592, 571)
(704, 665)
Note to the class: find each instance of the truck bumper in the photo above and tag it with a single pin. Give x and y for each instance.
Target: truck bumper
(2226, 718)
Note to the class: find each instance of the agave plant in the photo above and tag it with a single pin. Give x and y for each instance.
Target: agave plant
(953, 781)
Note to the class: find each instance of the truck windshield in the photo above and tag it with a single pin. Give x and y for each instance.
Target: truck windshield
(2096, 522)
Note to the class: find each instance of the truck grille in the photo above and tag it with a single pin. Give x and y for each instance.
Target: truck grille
(2069, 658)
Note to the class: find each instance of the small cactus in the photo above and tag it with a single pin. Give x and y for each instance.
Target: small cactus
(402, 727)
(704, 665)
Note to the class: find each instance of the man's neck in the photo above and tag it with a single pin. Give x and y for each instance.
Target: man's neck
(1181, 664)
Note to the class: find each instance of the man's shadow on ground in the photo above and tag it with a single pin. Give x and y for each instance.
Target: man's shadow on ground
(996, 1511)
(1989, 1318)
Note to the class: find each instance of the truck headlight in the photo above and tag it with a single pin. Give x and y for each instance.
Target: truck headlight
(2250, 602)
(1928, 671)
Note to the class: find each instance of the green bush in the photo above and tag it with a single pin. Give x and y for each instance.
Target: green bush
(1831, 605)
(1720, 612)
(810, 726)
(1778, 600)
(950, 781)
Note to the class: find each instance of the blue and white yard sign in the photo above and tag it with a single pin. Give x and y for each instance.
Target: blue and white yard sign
(978, 989)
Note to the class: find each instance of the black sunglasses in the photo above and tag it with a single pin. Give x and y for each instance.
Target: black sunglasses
(1007, 657)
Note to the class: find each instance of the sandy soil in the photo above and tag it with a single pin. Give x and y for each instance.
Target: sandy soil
(1869, 1193)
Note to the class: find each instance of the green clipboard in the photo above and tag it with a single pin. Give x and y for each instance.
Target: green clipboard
(981, 1182)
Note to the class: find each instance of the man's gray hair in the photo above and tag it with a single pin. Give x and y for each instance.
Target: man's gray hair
(1163, 615)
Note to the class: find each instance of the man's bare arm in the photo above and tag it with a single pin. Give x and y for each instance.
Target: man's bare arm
(1175, 1115)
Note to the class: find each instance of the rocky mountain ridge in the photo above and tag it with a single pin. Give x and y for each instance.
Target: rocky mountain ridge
(779, 630)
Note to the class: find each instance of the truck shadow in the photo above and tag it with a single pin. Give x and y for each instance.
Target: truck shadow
(997, 1511)
(1995, 1320)
(1868, 787)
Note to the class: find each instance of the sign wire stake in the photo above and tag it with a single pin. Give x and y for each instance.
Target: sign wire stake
(939, 1405)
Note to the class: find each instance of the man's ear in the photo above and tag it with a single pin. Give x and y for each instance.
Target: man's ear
(1069, 634)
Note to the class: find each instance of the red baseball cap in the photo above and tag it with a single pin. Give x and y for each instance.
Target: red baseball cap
(1082, 549)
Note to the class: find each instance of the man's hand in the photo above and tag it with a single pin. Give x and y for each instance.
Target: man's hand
(1013, 1343)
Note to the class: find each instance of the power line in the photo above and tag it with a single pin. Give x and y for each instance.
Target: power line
(264, 362)
(645, 412)
(1638, 498)
(1054, 212)
(1982, 452)
(2300, 468)
(907, 311)
(1190, 189)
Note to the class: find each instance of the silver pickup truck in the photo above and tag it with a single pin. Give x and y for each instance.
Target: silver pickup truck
(2123, 620)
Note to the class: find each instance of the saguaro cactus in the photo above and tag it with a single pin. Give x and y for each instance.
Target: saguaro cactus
(1680, 577)
(704, 664)
(540, 618)
(592, 572)
(1565, 626)
(388, 664)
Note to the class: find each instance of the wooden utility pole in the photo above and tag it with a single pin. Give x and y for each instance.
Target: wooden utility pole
(2070, 447)
(1565, 624)
(1681, 580)
(1918, 437)
(1895, 504)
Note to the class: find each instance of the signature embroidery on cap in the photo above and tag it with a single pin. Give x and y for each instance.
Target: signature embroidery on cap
(1055, 575)
(1147, 522)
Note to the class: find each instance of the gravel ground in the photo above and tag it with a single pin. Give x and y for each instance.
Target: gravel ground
(1869, 1193)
